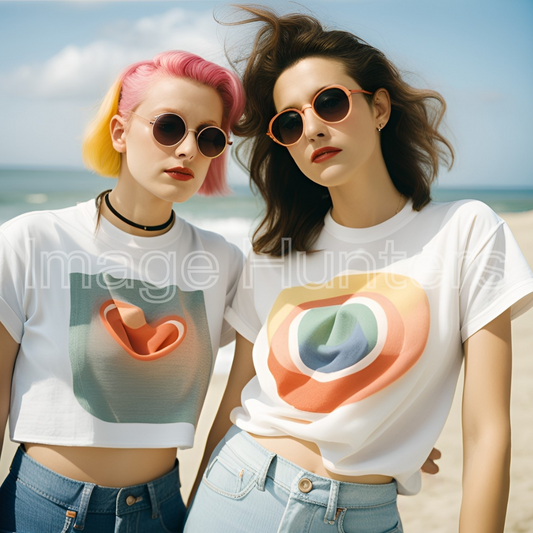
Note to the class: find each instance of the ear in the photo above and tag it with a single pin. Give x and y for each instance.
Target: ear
(382, 108)
(117, 128)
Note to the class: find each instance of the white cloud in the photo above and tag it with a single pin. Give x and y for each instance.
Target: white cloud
(86, 71)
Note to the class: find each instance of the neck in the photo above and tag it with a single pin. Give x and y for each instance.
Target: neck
(138, 206)
(366, 200)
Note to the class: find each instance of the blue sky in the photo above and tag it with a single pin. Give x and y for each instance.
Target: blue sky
(58, 58)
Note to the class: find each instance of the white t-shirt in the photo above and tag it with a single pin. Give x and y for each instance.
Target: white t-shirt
(117, 333)
(358, 346)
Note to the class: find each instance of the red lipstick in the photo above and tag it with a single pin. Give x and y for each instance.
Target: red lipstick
(324, 153)
(180, 173)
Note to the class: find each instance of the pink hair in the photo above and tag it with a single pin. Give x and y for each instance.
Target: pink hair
(138, 78)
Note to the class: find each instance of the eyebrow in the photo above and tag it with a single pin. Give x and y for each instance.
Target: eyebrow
(173, 112)
(208, 123)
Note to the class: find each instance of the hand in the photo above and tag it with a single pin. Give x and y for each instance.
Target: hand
(430, 467)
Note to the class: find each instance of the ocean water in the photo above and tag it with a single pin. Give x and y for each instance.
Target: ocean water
(234, 216)
(23, 190)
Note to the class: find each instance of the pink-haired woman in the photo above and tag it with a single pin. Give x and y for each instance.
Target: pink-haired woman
(111, 311)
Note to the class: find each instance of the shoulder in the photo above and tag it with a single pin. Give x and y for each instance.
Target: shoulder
(463, 215)
(460, 229)
(459, 209)
(473, 210)
(261, 260)
(212, 242)
(47, 228)
(38, 221)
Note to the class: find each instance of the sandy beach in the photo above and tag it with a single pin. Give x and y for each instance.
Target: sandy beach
(436, 507)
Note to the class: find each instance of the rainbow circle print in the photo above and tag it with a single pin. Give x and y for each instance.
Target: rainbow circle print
(338, 344)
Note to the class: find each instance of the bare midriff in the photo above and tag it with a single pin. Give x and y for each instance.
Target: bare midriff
(108, 467)
(306, 455)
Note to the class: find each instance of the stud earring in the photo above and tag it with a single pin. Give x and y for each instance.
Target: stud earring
(380, 127)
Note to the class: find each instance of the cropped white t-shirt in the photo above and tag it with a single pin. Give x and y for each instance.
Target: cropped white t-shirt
(117, 333)
(358, 346)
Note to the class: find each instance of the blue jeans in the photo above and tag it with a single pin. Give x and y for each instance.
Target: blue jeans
(247, 488)
(34, 499)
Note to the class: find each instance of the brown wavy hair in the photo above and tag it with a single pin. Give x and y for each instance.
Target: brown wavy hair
(412, 146)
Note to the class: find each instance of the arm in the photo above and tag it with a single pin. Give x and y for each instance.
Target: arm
(486, 428)
(8, 353)
(242, 371)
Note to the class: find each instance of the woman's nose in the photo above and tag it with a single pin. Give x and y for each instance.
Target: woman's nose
(313, 127)
(187, 148)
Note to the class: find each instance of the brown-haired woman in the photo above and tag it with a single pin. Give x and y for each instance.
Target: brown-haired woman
(359, 301)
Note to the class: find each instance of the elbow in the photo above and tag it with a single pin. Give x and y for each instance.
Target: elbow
(492, 442)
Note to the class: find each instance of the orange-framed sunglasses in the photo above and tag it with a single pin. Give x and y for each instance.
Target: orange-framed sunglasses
(332, 105)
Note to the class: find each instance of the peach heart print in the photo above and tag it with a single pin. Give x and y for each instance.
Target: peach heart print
(127, 325)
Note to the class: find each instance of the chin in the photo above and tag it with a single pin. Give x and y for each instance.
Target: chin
(177, 193)
(182, 196)
(332, 180)
(182, 199)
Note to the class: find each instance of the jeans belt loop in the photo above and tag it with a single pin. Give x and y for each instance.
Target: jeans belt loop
(262, 475)
(331, 511)
(153, 500)
(84, 505)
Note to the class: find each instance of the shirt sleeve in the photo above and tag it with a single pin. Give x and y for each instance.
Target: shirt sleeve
(235, 264)
(495, 276)
(242, 313)
(12, 270)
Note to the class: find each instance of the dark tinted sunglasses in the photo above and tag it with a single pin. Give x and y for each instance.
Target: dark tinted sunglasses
(169, 129)
(331, 104)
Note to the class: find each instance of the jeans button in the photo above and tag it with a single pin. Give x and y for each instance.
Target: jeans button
(305, 485)
(130, 500)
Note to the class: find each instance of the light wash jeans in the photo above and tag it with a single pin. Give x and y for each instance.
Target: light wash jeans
(34, 499)
(247, 489)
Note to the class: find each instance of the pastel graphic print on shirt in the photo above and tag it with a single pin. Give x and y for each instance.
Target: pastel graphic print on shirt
(138, 353)
(338, 344)
(127, 324)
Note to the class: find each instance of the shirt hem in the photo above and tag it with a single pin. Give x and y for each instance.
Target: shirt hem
(508, 299)
(11, 321)
(407, 484)
(240, 326)
(102, 444)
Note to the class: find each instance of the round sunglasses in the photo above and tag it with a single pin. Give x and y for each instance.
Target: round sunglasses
(331, 105)
(169, 129)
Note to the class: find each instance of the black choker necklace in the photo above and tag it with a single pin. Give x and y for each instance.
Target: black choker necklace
(134, 224)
